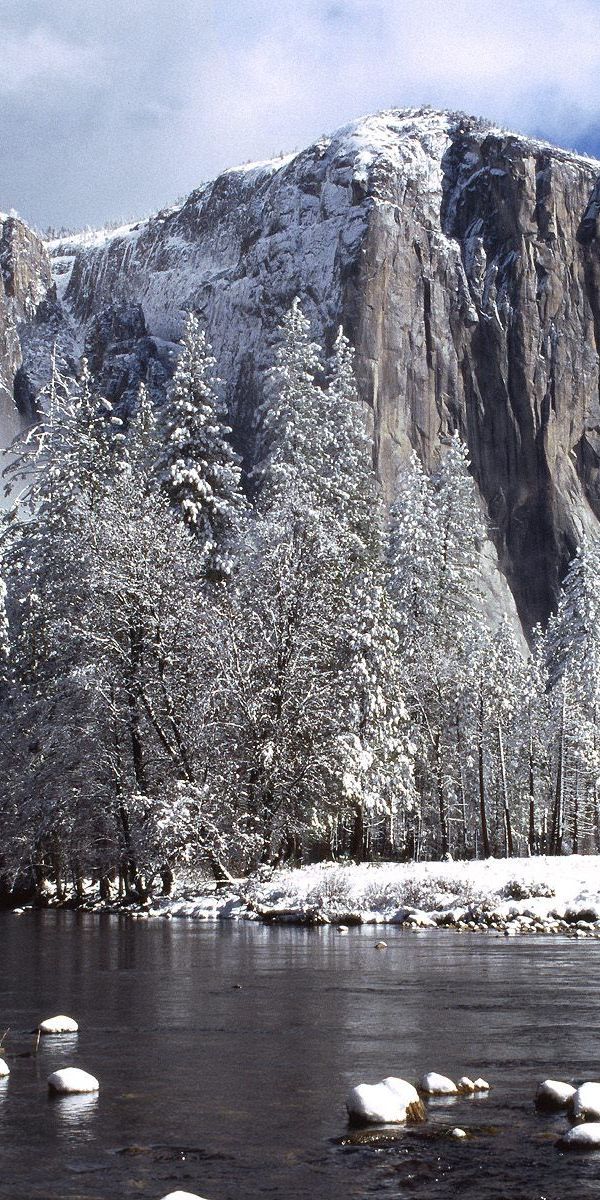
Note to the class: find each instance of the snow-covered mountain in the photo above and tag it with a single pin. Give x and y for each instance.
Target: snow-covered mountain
(462, 260)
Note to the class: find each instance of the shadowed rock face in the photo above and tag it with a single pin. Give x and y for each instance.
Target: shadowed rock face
(25, 281)
(481, 311)
(462, 261)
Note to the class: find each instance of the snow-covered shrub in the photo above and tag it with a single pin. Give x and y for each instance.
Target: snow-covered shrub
(520, 889)
(332, 890)
(379, 895)
(429, 892)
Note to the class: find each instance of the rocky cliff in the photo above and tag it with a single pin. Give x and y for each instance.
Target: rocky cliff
(25, 285)
(463, 262)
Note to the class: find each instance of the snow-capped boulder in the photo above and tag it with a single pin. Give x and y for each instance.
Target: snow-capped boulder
(419, 920)
(182, 1196)
(408, 1095)
(457, 1133)
(582, 1137)
(59, 1024)
(381, 945)
(553, 1095)
(481, 1085)
(585, 1102)
(401, 1088)
(390, 1102)
(438, 1085)
(71, 1081)
(4, 1069)
(465, 1085)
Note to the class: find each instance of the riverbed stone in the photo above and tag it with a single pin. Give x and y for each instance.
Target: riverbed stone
(438, 1085)
(72, 1081)
(56, 1025)
(553, 1095)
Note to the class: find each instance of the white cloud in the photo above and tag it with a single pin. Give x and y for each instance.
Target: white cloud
(302, 67)
(182, 90)
(39, 56)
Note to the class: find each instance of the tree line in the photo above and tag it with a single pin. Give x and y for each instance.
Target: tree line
(198, 681)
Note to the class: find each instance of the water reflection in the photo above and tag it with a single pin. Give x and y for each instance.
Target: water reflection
(73, 1113)
(239, 1091)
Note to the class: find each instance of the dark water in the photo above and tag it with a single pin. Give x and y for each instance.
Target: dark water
(238, 1093)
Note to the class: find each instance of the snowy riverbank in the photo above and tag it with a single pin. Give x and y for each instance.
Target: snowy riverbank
(539, 895)
(531, 895)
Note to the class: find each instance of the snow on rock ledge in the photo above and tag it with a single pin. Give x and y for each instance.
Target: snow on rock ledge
(4, 1069)
(58, 1025)
(71, 1081)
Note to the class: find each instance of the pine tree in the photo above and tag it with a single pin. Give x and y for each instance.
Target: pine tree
(49, 735)
(293, 427)
(353, 493)
(414, 549)
(573, 649)
(537, 712)
(376, 764)
(504, 736)
(196, 461)
(274, 654)
(436, 537)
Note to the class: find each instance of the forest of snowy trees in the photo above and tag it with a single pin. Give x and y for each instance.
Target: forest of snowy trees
(194, 674)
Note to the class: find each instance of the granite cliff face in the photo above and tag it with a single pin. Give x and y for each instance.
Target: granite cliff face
(463, 262)
(25, 283)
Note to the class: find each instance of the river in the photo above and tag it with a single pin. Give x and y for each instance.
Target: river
(224, 1054)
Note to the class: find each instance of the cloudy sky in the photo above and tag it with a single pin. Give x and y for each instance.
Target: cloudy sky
(110, 109)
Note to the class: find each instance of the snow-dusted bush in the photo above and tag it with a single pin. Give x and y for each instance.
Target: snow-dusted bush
(333, 889)
(521, 889)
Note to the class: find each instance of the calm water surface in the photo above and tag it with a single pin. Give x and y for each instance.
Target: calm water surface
(237, 1093)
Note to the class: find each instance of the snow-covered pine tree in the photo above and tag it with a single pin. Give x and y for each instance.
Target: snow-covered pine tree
(377, 777)
(436, 537)
(504, 738)
(4, 632)
(140, 449)
(463, 536)
(293, 427)
(573, 651)
(273, 655)
(292, 592)
(460, 627)
(49, 732)
(537, 714)
(376, 767)
(352, 490)
(196, 460)
(414, 548)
